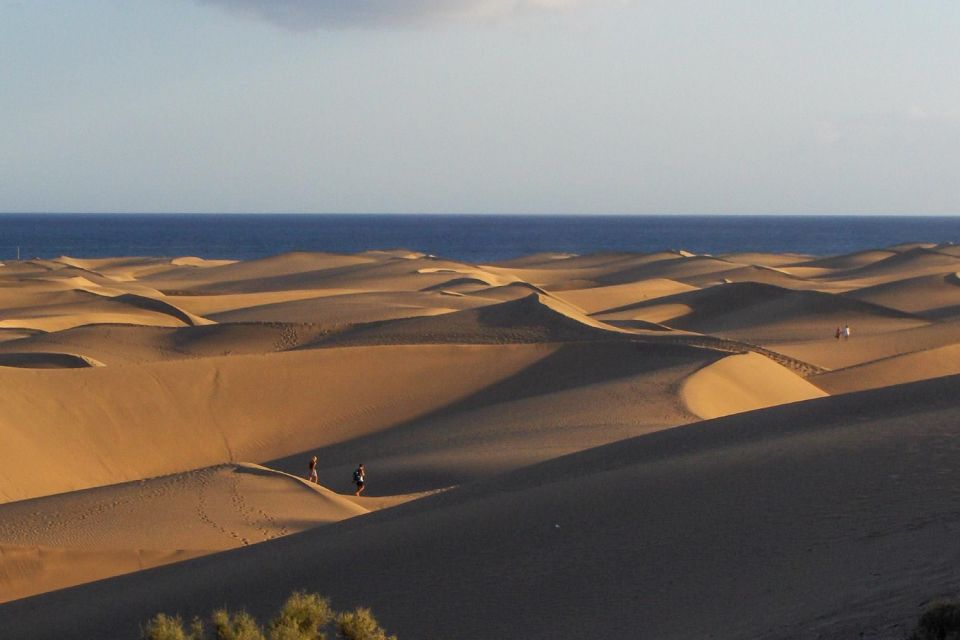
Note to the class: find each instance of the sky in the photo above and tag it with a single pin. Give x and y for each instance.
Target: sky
(480, 106)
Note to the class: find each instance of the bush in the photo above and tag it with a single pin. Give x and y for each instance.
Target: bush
(941, 621)
(237, 626)
(164, 627)
(303, 617)
(360, 624)
(196, 630)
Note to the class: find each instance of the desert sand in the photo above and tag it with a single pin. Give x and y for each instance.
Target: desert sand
(663, 445)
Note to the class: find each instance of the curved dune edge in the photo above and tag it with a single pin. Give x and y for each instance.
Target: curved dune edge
(900, 369)
(161, 306)
(48, 360)
(104, 307)
(124, 536)
(194, 261)
(743, 382)
(536, 317)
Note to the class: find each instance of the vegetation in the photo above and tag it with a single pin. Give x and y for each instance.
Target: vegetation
(360, 625)
(304, 616)
(941, 621)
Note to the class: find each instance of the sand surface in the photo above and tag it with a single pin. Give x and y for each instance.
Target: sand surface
(666, 445)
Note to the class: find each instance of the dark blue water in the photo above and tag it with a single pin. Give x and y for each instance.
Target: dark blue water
(471, 238)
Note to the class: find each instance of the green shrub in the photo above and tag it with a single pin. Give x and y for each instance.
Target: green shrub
(197, 632)
(237, 626)
(302, 617)
(164, 627)
(941, 621)
(360, 624)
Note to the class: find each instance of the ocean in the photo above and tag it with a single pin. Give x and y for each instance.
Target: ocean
(469, 238)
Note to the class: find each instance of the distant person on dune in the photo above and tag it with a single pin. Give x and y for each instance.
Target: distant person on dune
(360, 478)
(838, 333)
(313, 471)
(846, 332)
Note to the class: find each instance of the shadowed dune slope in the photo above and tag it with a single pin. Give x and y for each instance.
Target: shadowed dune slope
(848, 261)
(920, 365)
(860, 349)
(131, 422)
(352, 308)
(161, 306)
(754, 273)
(367, 272)
(536, 317)
(688, 532)
(766, 259)
(220, 303)
(128, 344)
(166, 519)
(567, 272)
(80, 307)
(46, 360)
(676, 267)
(934, 297)
(583, 394)
(253, 271)
(764, 312)
(910, 263)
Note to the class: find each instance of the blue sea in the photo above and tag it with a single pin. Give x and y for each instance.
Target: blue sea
(470, 238)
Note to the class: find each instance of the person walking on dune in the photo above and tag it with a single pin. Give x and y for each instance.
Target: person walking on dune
(360, 478)
(846, 332)
(313, 471)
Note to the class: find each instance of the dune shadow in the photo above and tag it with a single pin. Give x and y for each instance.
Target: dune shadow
(573, 365)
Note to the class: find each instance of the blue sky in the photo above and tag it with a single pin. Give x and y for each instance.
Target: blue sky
(524, 106)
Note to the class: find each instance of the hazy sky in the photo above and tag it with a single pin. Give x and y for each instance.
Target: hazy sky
(526, 106)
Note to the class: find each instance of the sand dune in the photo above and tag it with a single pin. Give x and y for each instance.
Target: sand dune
(729, 509)
(41, 360)
(33, 569)
(920, 365)
(834, 354)
(672, 268)
(542, 436)
(128, 344)
(351, 308)
(935, 297)
(7, 335)
(533, 318)
(743, 383)
(246, 407)
(581, 394)
(766, 259)
(161, 306)
(219, 303)
(577, 272)
(778, 276)
(305, 271)
(846, 262)
(910, 263)
(95, 310)
(762, 313)
(189, 277)
(599, 299)
(108, 531)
